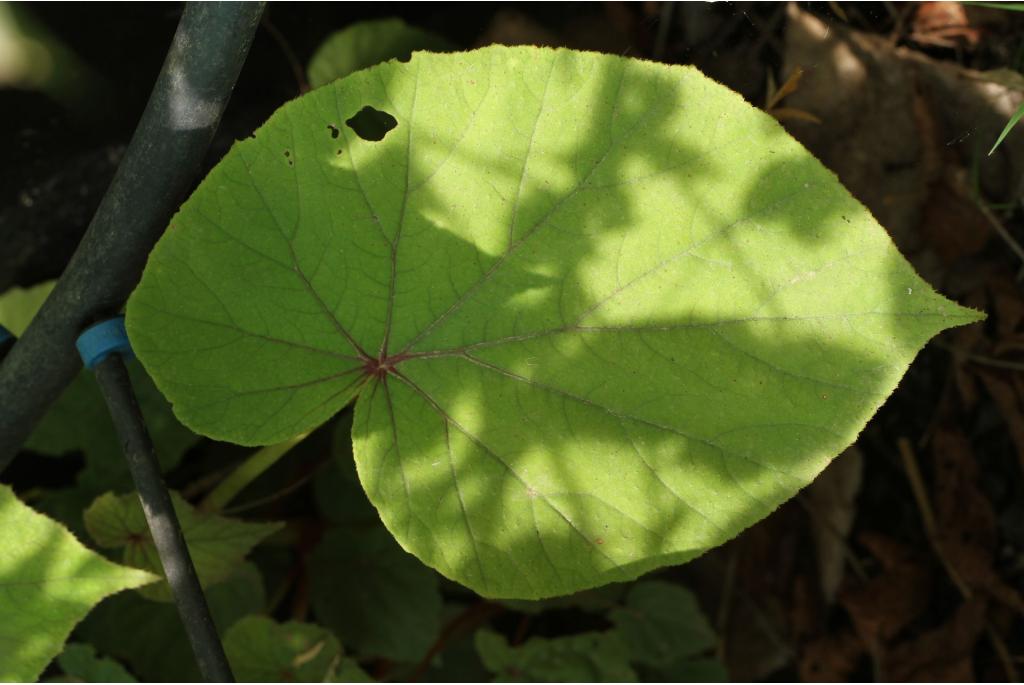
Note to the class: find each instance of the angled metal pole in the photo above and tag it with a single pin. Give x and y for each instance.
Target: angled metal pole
(101, 348)
(112, 376)
(184, 109)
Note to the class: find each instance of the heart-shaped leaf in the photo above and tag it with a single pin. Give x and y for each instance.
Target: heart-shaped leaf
(217, 544)
(600, 314)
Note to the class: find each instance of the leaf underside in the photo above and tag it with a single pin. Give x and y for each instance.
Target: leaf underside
(600, 314)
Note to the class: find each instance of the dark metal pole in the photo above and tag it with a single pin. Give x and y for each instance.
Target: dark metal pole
(116, 387)
(165, 153)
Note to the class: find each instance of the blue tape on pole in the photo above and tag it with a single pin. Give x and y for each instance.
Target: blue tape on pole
(5, 335)
(98, 342)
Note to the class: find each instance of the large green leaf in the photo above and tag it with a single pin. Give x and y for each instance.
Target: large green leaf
(600, 314)
(48, 582)
(379, 599)
(217, 544)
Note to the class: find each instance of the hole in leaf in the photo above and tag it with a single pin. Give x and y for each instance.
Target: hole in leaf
(333, 129)
(371, 124)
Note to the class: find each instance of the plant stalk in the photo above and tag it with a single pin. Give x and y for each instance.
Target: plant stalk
(112, 377)
(165, 153)
(249, 470)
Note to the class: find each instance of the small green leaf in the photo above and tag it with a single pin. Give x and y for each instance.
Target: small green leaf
(588, 657)
(662, 624)
(377, 598)
(264, 651)
(81, 665)
(148, 636)
(1009, 125)
(19, 305)
(217, 544)
(366, 43)
(48, 582)
(600, 314)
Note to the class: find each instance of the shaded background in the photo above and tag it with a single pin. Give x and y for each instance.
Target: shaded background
(905, 560)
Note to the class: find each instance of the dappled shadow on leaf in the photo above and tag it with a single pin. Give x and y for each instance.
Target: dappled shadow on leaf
(48, 583)
(551, 438)
(629, 325)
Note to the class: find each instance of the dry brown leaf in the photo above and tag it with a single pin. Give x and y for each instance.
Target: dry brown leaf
(893, 118)
(831, 501)
(887, 603)
(952, 225)
(794, 114)
(943, 24)
(965, 522)
(1007, 304)
(943, 654)
(831, 658)
(788, 88)
(1008, 401)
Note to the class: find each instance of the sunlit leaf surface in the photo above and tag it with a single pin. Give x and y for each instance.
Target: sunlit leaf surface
(600, 314)
(48, 582)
